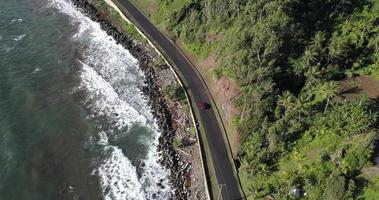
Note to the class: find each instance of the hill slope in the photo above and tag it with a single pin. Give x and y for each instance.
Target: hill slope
(290, 59)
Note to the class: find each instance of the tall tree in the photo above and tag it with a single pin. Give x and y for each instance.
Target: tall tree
(286, 100)
(329, 90)
(301, 105)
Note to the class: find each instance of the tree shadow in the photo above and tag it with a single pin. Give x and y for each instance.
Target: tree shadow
(360, 183)
(374, 107)
(353, 90)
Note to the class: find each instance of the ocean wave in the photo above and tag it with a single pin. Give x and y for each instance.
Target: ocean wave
(6, 48)
(18, 20)
(36, 70)
(19, 37)
(119, 177)
(110, 79)
(104, 102)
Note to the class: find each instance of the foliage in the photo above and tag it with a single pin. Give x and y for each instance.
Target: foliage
(287, 57)
(174, 93)
(345, 119)
(177, 142)
(336, 187)
(372, 191)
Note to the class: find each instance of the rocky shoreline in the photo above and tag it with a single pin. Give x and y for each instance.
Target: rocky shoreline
(170, 157)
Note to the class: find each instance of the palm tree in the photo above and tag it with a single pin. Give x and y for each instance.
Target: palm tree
(301, 105)
(313, 72)
(310, 56)
(318, 39)
(328, 91)
(300, 159)
(286, 100)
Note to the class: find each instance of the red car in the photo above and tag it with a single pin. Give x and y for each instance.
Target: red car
(202, 105)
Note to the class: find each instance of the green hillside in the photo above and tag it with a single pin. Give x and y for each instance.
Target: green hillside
(291, 59)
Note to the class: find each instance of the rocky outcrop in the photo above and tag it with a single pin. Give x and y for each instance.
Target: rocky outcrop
(170, 158)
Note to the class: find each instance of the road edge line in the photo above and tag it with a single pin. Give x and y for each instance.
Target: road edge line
(214, 107)
(112, 4)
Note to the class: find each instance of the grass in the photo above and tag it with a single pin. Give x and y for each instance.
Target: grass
(205, 149)
(117, 20)
(210, 168)
(207, 157)
(211, 78)
(155, 11)
(200, 50)
(214, 183)
(208, 76)
(371, 174)
(246, 181)
(305, 156)
(158, 11)
(306, 159)
(177, 143)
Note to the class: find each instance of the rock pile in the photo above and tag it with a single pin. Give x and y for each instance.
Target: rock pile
(170, 158)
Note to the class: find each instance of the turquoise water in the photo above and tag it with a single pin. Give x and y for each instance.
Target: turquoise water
(73, 122)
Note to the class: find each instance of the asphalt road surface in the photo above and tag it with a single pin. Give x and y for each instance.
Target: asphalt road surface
(221, 160)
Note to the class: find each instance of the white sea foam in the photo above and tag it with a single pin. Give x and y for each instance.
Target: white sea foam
(36, 70)
(119, 176)
(6, 48)
(103, 138)
(14, 20)
(19, 37)
(105, 102)
(110, 77)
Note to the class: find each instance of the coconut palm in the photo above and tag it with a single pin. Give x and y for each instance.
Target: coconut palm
(328, 91)
(310, 56)
(301, 105)
(313, 72)
(318, 40)
(286, 100)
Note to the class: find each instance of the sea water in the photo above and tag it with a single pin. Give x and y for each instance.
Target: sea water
(73, 121)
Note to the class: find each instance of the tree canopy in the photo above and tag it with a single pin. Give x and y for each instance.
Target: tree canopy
(287, 57)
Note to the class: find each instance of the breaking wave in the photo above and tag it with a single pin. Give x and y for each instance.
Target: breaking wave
(110, 79)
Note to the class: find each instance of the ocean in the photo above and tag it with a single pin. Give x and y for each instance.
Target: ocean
(74, 123)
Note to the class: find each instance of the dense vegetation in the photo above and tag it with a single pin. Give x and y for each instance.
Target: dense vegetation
(287, 57)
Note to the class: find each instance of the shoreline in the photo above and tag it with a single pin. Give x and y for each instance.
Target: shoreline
(166, 112)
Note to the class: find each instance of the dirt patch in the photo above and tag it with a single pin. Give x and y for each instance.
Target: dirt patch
(370, 86)
(356, 87)
(224, 92)
(236, 144)
(211, 37)
(209, 63)
(314, 154)
(148, 6)
(371, 172)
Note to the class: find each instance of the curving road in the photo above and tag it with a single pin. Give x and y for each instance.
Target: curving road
(220, 156)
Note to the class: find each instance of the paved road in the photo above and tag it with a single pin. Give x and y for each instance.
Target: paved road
(224, 171)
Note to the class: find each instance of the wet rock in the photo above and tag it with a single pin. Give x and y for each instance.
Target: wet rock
(170, 158)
